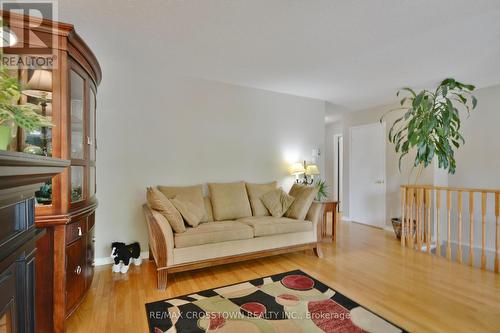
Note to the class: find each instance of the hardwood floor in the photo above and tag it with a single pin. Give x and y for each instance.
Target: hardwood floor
(419, 292)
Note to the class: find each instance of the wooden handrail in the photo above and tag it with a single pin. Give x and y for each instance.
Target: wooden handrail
(453, 189)
(420, 227)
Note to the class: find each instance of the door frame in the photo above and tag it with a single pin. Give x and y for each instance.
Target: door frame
(338, 170)
(383, 124)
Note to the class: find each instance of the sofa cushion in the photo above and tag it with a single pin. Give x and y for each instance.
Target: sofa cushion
(229, 201)
(193, 194)
(304, 197)
(214, 232)
(191, 213)
(268, 225)
(208, 209)
(255, 192)
(277, 201)
(159, 202)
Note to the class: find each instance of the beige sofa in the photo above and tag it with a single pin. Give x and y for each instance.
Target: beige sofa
(219, 242)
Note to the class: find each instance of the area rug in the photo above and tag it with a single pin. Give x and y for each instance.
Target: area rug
(288, 302)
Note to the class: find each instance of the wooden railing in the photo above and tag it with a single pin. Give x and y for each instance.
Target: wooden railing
(424, 207)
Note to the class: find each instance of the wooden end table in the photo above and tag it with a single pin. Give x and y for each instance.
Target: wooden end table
(329, 207)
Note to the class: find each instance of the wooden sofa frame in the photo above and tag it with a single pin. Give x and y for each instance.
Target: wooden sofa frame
(158, 252)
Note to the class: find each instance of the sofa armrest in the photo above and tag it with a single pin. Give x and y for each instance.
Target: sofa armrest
(315, 215)
(161, 237)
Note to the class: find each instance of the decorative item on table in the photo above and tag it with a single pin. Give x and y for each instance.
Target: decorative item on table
(322, 190)
(123, 254)
(12, 114)
(304, 173)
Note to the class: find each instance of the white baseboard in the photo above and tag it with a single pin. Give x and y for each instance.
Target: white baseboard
(389, 228)
(109, 260)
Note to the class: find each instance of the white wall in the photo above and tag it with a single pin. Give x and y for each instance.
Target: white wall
(187, 131)
(478, 161)
(394, 177)
(331, 129)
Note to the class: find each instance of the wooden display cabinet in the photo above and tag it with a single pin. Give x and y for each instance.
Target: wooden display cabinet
(66, 205)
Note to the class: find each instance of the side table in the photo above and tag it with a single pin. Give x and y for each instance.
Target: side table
(329, 207)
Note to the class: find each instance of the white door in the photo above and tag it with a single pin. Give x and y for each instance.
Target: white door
(367, 174)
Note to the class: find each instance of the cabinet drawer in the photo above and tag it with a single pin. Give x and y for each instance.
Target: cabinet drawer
(76, 230)
(75, 273)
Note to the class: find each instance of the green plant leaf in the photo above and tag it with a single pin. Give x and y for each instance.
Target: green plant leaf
(430, 125)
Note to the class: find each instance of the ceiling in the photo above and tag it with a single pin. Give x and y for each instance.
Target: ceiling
(352, 53)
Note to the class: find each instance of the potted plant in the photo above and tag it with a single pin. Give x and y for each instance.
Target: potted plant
(430, 126)
(12, 114)
(322, 190)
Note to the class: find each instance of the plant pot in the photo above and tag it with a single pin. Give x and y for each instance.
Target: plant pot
(5, 136)
(396, 225)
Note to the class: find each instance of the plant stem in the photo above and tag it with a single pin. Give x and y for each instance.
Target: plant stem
(419, 173)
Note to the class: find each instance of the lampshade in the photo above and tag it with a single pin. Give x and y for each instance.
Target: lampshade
(312, 169)
(40, 85)
(297, 169)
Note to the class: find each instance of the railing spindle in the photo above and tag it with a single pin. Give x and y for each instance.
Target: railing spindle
(448, 208)
(420, 198)
(428, 226)
(497, 232)
(411, 196)
(438, 218)
(483, 230)
(459, 208)
(471, 231)
(403, 215)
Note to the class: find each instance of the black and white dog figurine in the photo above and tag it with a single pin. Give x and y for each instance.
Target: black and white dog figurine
(123, 254)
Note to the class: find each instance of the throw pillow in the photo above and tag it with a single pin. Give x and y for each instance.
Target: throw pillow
(255, 191)
(191, 213)
(304, 197)
(229, 201)
(277, 202)
(193, 194)
(160, 203)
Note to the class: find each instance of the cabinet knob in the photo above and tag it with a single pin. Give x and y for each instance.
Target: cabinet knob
(80, 231)
(78, 270)
(89, 140)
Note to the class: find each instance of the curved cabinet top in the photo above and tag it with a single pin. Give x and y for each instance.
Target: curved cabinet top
(68, 39)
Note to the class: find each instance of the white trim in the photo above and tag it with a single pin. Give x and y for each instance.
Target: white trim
(109, 260)
(466, 246)
(338, 169)
(383, 123)
(388, 228)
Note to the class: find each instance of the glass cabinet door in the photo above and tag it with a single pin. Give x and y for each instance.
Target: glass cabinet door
(38, 91)
(92, 141)
(91, 131)
(77, 116)
(77, 181)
